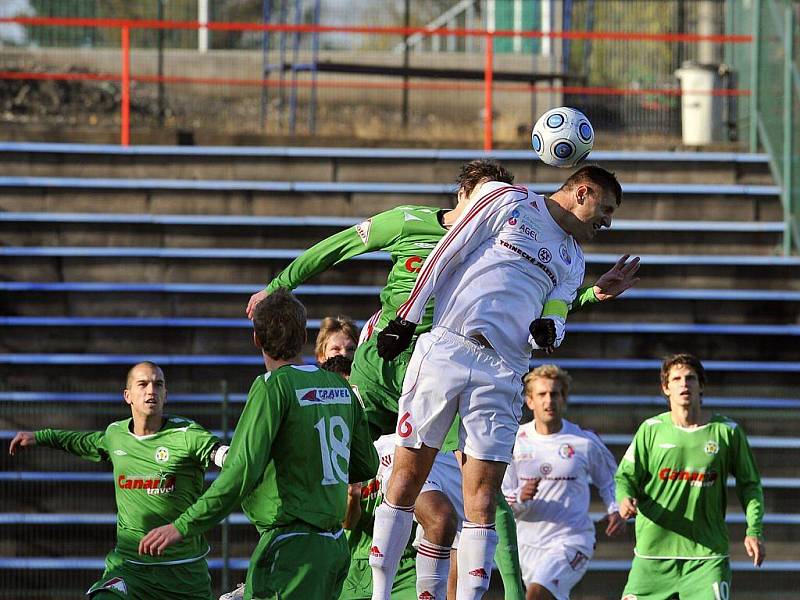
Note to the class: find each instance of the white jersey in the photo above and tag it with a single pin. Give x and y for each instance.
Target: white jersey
(564, 462)
(504, 263)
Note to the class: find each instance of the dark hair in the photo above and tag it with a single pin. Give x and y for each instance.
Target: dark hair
(338, 364)
(144, 363)
(475, 171)
(279, 321)
(597, 175)
(686, 360)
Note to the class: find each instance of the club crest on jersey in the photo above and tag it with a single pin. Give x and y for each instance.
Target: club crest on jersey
(711, 447)
(544, 255)
(162, 454)
(362, 229)
(566, 451)
(317, 396)
(562, 252)
(545, 469)
(512, 220)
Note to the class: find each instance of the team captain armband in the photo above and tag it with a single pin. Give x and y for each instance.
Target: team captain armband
(555, 308)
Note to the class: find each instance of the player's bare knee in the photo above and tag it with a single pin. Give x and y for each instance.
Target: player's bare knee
(537, 592)
(481, 506)
(437, 517)
(411, 468)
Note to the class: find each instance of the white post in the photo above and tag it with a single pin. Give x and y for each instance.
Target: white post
(547, 27)
(491, 18)
(202, 33)
(517, 26)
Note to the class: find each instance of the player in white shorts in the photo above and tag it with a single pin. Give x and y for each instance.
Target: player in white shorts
(547, 486)
(503, 277)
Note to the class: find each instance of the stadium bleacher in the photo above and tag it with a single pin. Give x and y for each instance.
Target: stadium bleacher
(114, 254)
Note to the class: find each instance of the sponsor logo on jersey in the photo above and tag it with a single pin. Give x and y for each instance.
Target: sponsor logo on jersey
(154, 484)
(479, 572)
(544, 255)
(531, 260)
(711, 447)
(512, 220)
(115, 583)
(376, 552)
(362, 229)
(546, 468)
(566, 451)
(318, 396)
(426, 595)
(120, 453)
(162, 454)
(695, 478)
(414, 264)
(529, 231)
(562, 252)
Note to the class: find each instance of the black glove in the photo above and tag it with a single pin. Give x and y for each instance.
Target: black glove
(394, 338)
(543, 332)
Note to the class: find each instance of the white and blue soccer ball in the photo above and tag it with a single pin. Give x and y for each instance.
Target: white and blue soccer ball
(562, 137)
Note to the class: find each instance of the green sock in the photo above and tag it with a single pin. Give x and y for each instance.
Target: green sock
(506, 557)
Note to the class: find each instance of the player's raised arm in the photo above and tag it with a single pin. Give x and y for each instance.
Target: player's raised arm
(548, 330)
(370, 235)
(86, 445)
(611, 284)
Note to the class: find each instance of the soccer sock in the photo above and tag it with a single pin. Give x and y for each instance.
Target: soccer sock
(476, 548)
(433, 566)
(506, 557)
(390, 535)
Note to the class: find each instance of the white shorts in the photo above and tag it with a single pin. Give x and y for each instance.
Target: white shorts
(557, 568)
(445, 477)
(450, 373)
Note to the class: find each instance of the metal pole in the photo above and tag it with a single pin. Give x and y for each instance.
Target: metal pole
(202, 32)
(125, 118)
(226, 525)
(487, 85)
(406, 24)
(788, 88)
(161, 102)
(266, 15)
(755, 56)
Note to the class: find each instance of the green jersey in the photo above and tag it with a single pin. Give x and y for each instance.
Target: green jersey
(407, 233)
(301, 438)
(679, 477)
(156, 477)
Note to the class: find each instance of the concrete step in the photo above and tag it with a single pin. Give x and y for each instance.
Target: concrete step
(357, 164)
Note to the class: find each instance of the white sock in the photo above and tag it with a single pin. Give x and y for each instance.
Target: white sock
(433, 567)
(389, 538)
(476, 548)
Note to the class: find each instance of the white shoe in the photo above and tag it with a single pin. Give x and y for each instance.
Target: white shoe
(237, 594)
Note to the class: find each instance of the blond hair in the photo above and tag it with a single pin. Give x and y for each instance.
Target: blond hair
(330, 325)
(553, 372)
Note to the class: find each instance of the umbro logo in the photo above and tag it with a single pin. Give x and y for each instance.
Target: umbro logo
(409, 217)
(120, 453)
(667, 446)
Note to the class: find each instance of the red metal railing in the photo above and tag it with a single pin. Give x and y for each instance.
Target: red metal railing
(125, 77)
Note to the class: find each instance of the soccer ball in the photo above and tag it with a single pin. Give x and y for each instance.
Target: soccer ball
(562, 137)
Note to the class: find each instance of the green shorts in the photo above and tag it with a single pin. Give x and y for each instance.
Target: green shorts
(668, 578)
(358, 585)
(127, 580)
(380, 384)
(298, 562)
